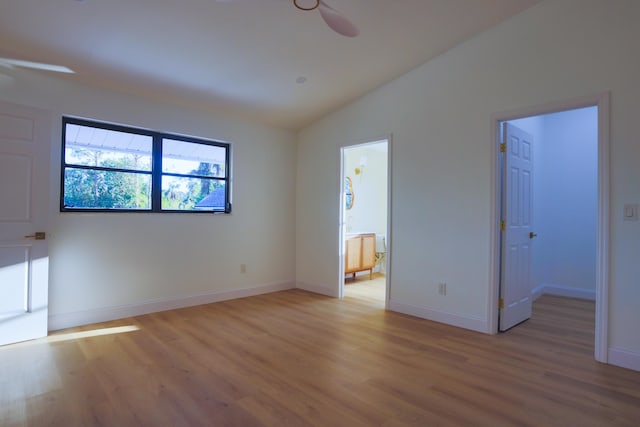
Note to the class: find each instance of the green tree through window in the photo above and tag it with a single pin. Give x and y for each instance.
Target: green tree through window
(105, 189)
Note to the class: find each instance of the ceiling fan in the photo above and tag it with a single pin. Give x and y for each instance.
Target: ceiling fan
(13, 62)
(336, 21)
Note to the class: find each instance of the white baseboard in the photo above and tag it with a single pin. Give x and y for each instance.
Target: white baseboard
(86, 317)
(563, 291)
(318, 289)
(537, 293)
(473, 323)
(624, 358)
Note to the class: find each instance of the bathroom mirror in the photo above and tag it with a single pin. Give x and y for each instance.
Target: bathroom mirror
(348, 190)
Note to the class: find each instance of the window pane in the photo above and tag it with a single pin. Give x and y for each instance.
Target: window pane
(192, 194)
(89, 189)
(91, 146)
(190, 158)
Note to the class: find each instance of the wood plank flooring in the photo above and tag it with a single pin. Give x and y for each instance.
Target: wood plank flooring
(365, 290)
(298, 359)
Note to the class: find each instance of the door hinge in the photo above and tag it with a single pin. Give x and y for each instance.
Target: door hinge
(503, 147)
(38, 235)
(503, 225)
(501, 303)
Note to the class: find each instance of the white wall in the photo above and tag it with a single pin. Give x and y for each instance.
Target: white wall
(369, 212)
(102, 261)
(565, 201)
(440, 118)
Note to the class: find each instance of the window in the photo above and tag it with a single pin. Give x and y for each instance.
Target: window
(116, 168)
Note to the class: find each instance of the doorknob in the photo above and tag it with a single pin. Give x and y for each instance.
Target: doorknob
(38, 235)
(532, 235)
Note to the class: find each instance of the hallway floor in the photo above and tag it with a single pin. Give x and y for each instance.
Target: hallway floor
(362, 288)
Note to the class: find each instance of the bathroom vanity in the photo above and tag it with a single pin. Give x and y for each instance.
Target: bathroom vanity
(359, 253)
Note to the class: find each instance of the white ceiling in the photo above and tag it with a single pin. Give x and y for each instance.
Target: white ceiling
(242, 58)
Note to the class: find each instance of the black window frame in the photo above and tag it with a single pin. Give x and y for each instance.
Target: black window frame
(156, 172)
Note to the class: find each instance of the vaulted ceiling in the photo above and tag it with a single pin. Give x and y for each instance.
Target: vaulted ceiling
(244, 57)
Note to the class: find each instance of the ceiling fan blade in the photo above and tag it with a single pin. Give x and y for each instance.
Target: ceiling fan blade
(11, 62)
(331, 17)
(336, 21)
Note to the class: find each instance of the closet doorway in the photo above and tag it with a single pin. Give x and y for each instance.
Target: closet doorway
(364, 222)
(568, 213)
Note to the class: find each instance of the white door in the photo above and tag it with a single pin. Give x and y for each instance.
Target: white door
(25, 136)
(517, 186)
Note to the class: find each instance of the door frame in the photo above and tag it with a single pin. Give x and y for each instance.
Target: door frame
(602, 101)
(341, 219)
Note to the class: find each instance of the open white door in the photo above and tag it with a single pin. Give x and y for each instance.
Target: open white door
(24, 203)
(516, 223)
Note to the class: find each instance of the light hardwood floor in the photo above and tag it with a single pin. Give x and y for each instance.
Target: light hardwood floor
(294, 359)
(366, 290)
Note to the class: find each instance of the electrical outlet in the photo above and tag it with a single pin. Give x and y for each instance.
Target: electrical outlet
(630, 212)
(243, 268)
(442, 288)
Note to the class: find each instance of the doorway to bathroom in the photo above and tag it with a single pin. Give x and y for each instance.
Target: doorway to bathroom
(364, 222)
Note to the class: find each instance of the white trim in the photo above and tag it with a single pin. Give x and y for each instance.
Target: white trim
(477, 324)
(341, 220)
(494, 230)
(318, 289)
(624, 358)
(389, 237)
(600, 100)
(86, 317)
(602, 249)
(341, 225)
(537, 293)
(563, 291)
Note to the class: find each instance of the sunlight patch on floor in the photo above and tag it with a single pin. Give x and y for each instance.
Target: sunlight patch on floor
(94, 333)
(81, 334)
